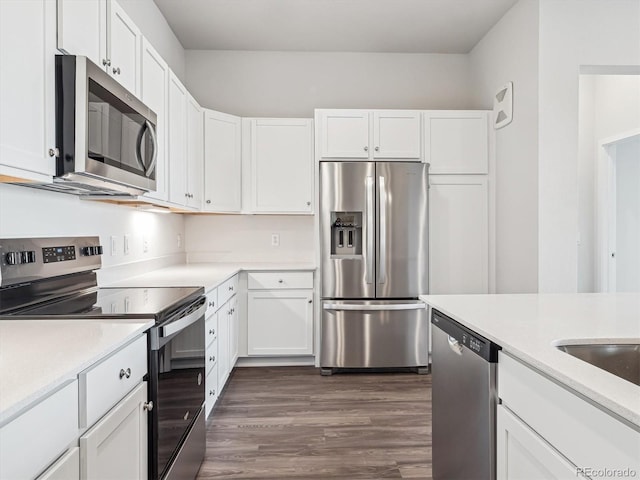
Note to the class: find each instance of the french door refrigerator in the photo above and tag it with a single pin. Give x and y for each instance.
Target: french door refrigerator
(374, 264)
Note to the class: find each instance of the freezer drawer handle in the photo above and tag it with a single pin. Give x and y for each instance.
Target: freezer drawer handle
(392, 306)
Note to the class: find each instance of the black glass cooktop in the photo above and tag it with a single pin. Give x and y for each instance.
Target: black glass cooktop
(149, 302)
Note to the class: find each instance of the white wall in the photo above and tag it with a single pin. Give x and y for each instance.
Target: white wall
(26, 212)
(573, 33)
(509, 52)
(147, 16)
(293, 84)
(247, 238)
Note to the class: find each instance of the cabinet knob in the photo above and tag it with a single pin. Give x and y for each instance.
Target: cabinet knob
(310, 301)
(116, 71)
(54, 152)
(377, 149)
(106, 62)
(212, 392)
(125, 373)
(208, 201)
(148, 406)
(212, 332)
(308, 204)
(366, 149)
(230, 288)
(280, 281)
(212, 358)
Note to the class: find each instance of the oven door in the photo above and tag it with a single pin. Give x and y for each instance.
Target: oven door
(176, 383)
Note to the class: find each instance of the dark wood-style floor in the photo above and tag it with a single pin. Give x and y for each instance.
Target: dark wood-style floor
(292, 423)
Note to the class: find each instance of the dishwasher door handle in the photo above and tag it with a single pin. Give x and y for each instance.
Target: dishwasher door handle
(454, 345)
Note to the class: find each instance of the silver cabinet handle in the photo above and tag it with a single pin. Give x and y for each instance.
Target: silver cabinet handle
(212, 304)
(125, 373)
(366, 149)
(230, 288)
(212, 392)
(308, 204)
(454, 345)
(212, 332)
(116, 71)
(382, 271)
(148, 406)
(280, 281)
(212, 358)
(106, 62)
(369, 232)
(208, 201)
(377, 149)
(54, 152)
(374, 307)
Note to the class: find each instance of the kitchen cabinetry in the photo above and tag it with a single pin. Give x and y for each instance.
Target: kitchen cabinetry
(458, 234)
(281, 165)
(66, 467)
(27, 98)
(544, 427)
(456, 141)
(369, 134)
(280, 313)
(222, 162)
(102, 31)
(186, 137)
(154, 86)
(116, 447)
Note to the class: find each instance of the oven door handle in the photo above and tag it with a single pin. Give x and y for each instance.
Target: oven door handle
(184, 322)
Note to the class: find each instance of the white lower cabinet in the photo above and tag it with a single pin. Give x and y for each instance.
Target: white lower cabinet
(66, 467)
(280, 316)
(523, 454)
(116, 447)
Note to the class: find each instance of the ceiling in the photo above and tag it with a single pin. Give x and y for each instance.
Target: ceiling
(412, 26)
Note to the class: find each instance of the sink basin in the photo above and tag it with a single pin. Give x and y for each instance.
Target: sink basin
(623, 360)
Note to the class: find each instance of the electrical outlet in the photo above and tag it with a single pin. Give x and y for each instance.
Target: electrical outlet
(145, 244)
(114, 245)
(126, 245)
(275, 239)
(179, 242)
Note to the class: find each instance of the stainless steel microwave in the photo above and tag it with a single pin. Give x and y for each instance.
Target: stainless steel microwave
(105, 136)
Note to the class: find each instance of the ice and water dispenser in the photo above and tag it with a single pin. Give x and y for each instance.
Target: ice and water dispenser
(346, 233)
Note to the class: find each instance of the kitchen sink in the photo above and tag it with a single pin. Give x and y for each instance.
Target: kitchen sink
(623, 360)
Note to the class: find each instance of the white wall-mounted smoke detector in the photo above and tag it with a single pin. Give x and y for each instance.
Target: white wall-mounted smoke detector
(503, 106)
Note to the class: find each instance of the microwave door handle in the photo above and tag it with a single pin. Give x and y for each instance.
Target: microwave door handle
(139, 144)
(154, 156)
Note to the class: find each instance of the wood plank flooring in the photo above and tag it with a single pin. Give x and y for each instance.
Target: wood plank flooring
(292, 423)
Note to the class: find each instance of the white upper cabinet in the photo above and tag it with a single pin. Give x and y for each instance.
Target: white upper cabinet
(27, 55)
(195, 153)
(101, 30)
(281, 164)
(222, 162)
(177, 141)
(456, 141)
(396, 134)
(343, 133)
(369, 134)
(153, 92)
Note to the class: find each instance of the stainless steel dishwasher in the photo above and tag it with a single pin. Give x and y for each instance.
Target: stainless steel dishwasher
(464, 402)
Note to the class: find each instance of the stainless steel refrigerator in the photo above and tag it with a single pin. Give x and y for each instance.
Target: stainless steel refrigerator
(374, 264)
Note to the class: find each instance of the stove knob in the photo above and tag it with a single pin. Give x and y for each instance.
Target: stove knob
(12, 258)
(31, 256)
(97, 250)
(24, 257)
(87, 251)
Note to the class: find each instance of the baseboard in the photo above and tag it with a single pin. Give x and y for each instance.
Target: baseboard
(307, 361)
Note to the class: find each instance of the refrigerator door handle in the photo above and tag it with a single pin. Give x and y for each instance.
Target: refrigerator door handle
(382, 272)
(369, 232)
(377, 307)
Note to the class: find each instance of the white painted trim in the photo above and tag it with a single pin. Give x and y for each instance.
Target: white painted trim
(275, 361)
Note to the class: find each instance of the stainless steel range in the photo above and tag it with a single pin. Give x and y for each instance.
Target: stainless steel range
(53, 278)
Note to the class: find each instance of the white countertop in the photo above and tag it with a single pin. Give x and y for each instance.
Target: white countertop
(38, 356)
(528, 327)
(207, 275)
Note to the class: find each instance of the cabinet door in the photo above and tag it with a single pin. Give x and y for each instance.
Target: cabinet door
(27, 54)
(124, 44)
(224, 316)
(397, 134)
(177, 141)
(282, 165)
(66, 467)
(280, 322)
(344, 133)
(82, 28)
(154, 85)
(523, 454)
(222, 162)
(116, 446)
(456, 141)
(458, 234)
(195, 153)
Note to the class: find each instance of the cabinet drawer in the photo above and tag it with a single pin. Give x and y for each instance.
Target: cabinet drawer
(212, 356)
(227, 290)
(211, 330)
(277, 280)
(37, 437)
(584, 434)
(66, 467)
(212, 302)
(211, 392)
(103, 385)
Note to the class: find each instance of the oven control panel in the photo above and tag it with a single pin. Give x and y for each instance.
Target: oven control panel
(58, 254)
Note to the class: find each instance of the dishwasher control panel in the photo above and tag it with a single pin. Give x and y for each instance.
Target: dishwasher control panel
(466, 337)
